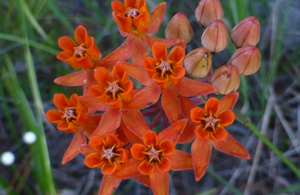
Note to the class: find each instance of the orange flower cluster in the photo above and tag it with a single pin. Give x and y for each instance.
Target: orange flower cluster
(112, 111)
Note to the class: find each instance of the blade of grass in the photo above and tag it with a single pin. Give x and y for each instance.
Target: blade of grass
(6, 187)
(30, 42)
(244, 120)
(223, 181)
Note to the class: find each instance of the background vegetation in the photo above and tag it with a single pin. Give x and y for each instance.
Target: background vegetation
(29, 30)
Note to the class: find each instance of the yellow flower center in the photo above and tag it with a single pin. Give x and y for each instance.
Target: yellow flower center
(153, 154)
(164, 68)
(70, 114)
(114, 89)
(79, 51)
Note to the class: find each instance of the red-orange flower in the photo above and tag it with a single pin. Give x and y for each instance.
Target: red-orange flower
(163, 68)
(70, 115)
(82, 55)
(108, 154)
(113, 89)
(209, 130)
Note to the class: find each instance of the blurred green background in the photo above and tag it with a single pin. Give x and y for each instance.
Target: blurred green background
(29, 30)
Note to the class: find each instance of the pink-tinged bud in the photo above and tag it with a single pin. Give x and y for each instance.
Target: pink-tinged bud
(198, 62)
(179, 27)
(215, 38)
(226, 79)
(208, 11)
(246, 59)
(246, 32)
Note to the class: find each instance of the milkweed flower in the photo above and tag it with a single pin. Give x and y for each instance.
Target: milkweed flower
(134, 21)
(210, 123)
(82, 55)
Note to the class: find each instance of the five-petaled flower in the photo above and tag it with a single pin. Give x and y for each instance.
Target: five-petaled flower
(82, 55)
(108, 153)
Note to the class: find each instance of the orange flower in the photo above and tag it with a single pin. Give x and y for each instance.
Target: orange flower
(209, 130)
(162, 68)
(71, 113)
(132, 15)
(113, 89)
(108, 154)
(82, 55)
(134, 21)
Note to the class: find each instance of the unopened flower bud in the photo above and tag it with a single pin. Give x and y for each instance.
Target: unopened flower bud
(246, 59)
(215, 38)
(179, 27)
(198, 62)
(246, 32)
(208, 11)
(226, 79)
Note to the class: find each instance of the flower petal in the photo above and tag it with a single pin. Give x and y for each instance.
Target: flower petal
(93, 160)
(66, 43)
(139, 51)
(135, 122)
(108, 169)
(133, 138)
(227, 102)
(72, 150)
(128, 169)
(219, 135)
(165, 165)
(150, 138)
(92, 124)
(150, 40)
(108, 185)
(110, 121)
(81, 34)
(180, 160)
(201, 151)
(156, 18)
(159, 182)
(188, 134)
(188, 87)
(146, 168)
(86, 149)
(171, 103)
(102, 76)
(173, 132)
(92, 102)
(144, 179)
(226, 118)
(212, 105)
(186, 106)
(73, 79)
(137, 72)
(54, 116)
(196, 114)
(137, 151)
(201, 134)
(122, 53)
(159, 51)
(232, 147)
(144, 98)
(60, 101)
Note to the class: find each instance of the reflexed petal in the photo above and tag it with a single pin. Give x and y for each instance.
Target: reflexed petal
(144, 179)
(66, 43)
(110, 121)
(171, 103)
(93, 160)
(128, 169)
(159, 182)
(108, 185)
(232, 147)
(137, 151)
(86, 149)
(188, 134)
(226, 118)
(159, 51)
(150, 40)
(135, 122)
(133, 138)
(180, 160)
(227, 102)
(92, 124)
(122, 53)
(165, 165)
(108, 169)
(167, 146)
(146, 168)
(137, 72)
(92, 102)
(72, 150)
(188, 87)
(196, 114)
(150, 138)
(219, 135)
(173, 132)
(186, 106)
(54, 116)
(73, 79)
(156, 18)
(139, 51)
(212, 105)
(201, 151)
(144, 98)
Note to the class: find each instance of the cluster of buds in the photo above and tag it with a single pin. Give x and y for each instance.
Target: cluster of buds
(112, 111)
